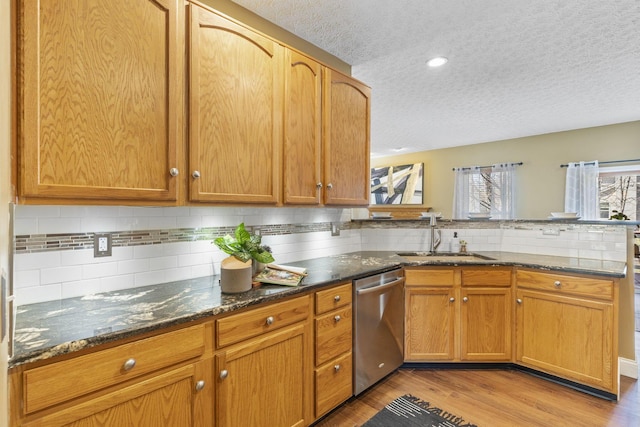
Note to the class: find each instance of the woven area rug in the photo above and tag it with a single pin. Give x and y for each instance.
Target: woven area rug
(409, 411)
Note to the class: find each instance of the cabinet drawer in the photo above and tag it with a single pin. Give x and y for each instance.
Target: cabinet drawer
(572, 285)
(333, 298)
(334, 384)
(429, 277)
(239, 327)
(52, 384)
(490, 276)
(333, 334)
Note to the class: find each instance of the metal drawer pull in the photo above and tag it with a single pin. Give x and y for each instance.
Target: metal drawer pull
(199, 385)
(224, 374)
(452, 299)
(465, 299)
(195, 174)
(174, 172)
(336, 298)
(337, 318)
(270, 320)
(557, 283)
(129, 364)
(336, 367)
(519, 301)
(319, 185)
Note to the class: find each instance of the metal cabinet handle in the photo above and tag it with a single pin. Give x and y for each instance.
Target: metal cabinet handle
(329, 186)
(270, 320)
(336, 367)
(224, 374)
(452, 299)
(196, 174)
(337, 298)
(519, 301)
(465, 299)
(129, 364)
(319, 185)
(199, 385)
(174, 171)
(337, 318)
(557, 283)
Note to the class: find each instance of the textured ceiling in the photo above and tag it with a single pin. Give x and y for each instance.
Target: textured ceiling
(516, 67)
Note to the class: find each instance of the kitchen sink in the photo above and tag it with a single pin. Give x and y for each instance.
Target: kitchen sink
(443, 256)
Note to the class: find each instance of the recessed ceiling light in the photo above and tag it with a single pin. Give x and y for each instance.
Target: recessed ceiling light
(437, 61)
(397, 149)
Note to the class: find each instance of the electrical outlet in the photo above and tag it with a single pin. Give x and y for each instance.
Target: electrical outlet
(101, 245)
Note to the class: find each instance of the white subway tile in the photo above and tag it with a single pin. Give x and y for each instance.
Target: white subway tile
(60, 274)
(162, 276)
(26, 278)
(35, 294)
(80, 288)
(163, 263)
(37, 211)
(57, 225)
(93, 271)
(133, 266)
(117, 283)
(25, 226)
(38, 260)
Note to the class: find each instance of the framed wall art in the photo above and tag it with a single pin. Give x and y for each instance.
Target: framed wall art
(397, 185)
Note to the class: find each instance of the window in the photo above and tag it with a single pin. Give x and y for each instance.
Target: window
(489, 190)
(619, 189)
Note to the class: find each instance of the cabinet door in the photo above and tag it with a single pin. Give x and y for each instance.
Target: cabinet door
(235, 114)
(346, 122)
(175, 398)
(99, 99)
(265, 381)
(485, 324)
(430, 324)
(302, 181)
(568, 336)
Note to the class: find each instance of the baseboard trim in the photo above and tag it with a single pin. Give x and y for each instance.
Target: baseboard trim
(628, 367)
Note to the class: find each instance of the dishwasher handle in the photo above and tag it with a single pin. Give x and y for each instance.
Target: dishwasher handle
(379, 288)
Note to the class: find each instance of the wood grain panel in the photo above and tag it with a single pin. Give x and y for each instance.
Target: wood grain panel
(302, 130)
(333, 334)
(273, 365)
(336, 297)
(574, 285)
(235, 126)
(487, 276)
(100, 99)
(239, 327)
(429, 277)
(165, 400)
(48, 385)
(430, 321)
(485, 328)
(346, 139)
(568, 336)
(334, 383)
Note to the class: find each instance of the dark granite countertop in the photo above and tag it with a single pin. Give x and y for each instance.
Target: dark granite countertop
(49, 329)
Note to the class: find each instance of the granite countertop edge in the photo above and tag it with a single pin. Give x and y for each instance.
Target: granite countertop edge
(187, 301)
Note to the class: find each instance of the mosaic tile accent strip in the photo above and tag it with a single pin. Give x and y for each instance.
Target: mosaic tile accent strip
(75, 241)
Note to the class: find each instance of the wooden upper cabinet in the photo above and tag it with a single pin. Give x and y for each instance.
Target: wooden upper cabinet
(302, 180)
(99, 98)
(346, 123)
(235, 112)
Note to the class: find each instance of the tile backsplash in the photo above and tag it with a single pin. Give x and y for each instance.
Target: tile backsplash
(54, 244)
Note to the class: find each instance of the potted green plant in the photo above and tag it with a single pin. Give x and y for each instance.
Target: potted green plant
(245, 250)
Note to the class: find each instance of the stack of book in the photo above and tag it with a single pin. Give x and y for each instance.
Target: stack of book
(285, 275)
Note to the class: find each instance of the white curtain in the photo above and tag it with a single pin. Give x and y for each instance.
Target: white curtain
(461, 191)
(581, 190)
(503, 189)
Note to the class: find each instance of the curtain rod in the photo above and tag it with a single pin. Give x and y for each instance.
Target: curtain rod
(484, 167)
(606, 163)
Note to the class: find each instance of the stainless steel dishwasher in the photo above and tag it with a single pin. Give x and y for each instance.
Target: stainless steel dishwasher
(378, 327)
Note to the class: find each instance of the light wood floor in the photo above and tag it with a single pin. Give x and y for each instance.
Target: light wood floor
(494, 398)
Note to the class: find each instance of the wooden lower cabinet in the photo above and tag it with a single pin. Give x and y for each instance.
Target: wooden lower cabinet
(429, 323)
(458, 314)
(151, 386)
(333, 348)
(567, 326)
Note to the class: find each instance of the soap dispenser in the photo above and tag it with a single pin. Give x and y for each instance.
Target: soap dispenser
(455, 243)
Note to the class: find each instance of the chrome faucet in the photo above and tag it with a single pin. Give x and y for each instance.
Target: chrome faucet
(435, 235)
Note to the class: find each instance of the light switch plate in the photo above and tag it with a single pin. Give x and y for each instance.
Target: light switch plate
(101, 244)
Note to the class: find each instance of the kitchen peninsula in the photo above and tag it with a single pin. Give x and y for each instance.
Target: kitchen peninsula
(194, 312)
